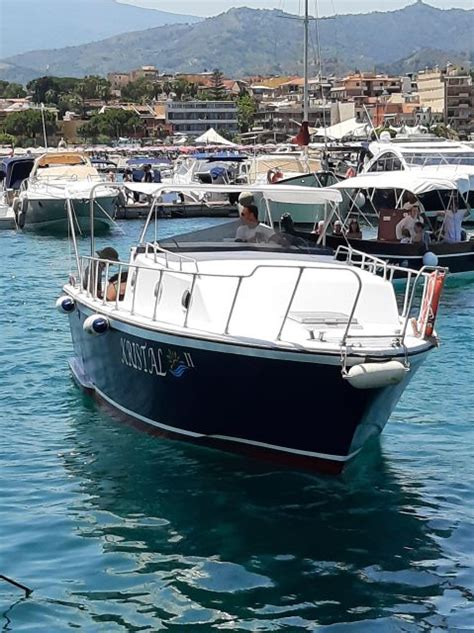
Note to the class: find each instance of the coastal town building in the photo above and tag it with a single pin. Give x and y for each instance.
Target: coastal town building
(118, 81)
(431, 89)
(449, 93)
(192, 118)
(459, 99)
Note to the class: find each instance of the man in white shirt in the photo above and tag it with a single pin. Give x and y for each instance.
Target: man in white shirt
(252, 230)
(409, 221)
(453, 217)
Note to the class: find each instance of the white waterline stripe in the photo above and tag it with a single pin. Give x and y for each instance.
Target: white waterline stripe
(142, 418)
(296, 451)
(282, 449)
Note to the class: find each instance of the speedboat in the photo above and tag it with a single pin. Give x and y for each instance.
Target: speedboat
(273, 350)
(59, 185)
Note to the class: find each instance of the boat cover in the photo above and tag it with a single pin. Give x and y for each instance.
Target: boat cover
(407, 181)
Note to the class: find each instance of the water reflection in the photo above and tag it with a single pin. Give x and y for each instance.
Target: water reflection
(194, 536)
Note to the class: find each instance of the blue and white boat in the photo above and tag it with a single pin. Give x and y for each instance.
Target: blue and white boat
(271, 350)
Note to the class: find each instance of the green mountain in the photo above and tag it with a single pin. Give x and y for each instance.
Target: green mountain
(250, 41)
(26, 25)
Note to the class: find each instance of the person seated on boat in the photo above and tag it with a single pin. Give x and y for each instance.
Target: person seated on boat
(453, 218)
(421, 236)
(92, 279)
(354, 231)
(406, 237)
(252, 230)
(287, 237)
(337, 229)
(115, 286)
(409, 221)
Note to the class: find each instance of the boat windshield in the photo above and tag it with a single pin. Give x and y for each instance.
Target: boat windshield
(438, 158)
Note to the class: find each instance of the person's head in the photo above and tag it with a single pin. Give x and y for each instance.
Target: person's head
(320, 227)
(406, 233)
(354, 226)
(337, 227)
(147, 168)
(415, 210)
(108, 253)
(410, 197)
(249, 214)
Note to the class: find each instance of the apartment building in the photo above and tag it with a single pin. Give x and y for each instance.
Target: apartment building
(193, 118)
(431, 89)
(459, 99)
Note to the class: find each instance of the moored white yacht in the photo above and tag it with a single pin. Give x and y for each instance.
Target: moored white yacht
(268, 349)
(60, 183)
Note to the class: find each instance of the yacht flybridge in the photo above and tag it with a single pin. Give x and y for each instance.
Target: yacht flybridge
(274, 349)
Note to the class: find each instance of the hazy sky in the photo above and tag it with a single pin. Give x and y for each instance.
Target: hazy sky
(326, 7)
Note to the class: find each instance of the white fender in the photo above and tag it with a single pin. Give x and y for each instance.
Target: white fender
(65, 304)
(375, 375)
(96, 324)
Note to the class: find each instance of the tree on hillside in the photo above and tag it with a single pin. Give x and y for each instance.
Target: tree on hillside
(246, 111)
(11, 90)
(28, 125)
(6, 139)
(113, 123)
(217, 90)
(50, 89)
(184, 89)
(69, 103)
(39, 87)
(140, 91)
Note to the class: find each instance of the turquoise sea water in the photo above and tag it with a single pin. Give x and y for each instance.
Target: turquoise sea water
(118, 531)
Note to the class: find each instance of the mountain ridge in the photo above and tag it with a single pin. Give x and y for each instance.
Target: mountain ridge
(84, 21)
(243, 41)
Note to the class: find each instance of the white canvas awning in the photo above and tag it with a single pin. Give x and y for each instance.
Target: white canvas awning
(407, 181)
(274, 193)
(211, 137)
(347, 128)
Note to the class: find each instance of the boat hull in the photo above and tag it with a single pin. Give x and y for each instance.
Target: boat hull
(50, 215)
(224, 395)
(458, 257)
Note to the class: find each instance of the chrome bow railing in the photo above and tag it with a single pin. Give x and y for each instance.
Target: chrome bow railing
(94, 273)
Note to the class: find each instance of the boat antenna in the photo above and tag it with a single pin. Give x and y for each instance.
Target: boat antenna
(370, 122)
(306, 89)
(323, 100)
(43, 121)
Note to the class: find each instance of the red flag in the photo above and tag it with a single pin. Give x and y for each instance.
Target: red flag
(303, 137)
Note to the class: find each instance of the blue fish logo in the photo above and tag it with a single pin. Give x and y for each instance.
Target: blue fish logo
(179, 370)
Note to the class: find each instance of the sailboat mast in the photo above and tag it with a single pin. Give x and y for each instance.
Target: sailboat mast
(306, 91)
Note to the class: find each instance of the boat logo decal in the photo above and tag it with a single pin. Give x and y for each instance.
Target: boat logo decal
(155, 360)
